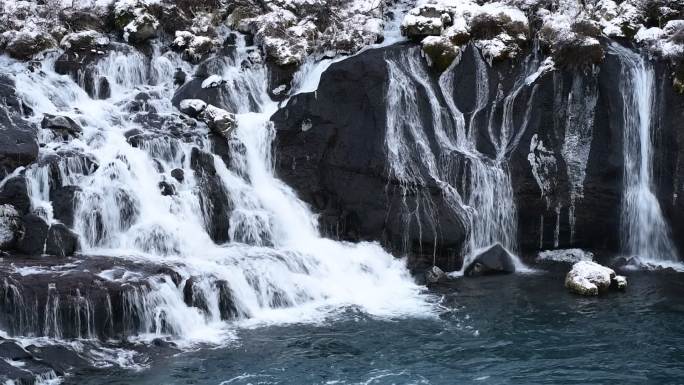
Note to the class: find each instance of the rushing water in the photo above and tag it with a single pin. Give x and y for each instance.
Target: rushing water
(278, 267)
(501, 330)
(645, 232)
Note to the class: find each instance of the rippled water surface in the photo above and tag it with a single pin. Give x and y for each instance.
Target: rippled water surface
(495, 330)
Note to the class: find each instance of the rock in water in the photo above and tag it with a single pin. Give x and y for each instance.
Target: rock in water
(619, 282)
(434, 275)
(494, 260)
(590, 278)
(61, 241)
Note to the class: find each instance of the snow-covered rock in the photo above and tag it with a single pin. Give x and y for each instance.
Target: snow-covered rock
(194, 47)
(84, 41)
(440, 51)
(192, 107)
(212, 81)
(27, 42)
(590, 278)
(425, 20)
(572, 42)
(565, 255)
(218, 120)
(497, 29)
(434, 275)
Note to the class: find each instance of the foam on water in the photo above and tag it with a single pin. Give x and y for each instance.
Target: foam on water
(276, 264)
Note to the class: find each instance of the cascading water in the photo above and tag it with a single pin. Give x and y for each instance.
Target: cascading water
(274, 264)
(645, 233)
(486, 203)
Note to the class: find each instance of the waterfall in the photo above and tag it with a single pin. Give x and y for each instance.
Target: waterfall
(645, 233)
(273, 265)
(483, 195)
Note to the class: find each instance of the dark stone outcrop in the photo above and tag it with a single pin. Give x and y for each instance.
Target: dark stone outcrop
(18, 143)
(64, 203)
(330, 149)
(214, 200)
(34, 235)
(61, 125)
(61, 241)
(15, 193)
(494, 260)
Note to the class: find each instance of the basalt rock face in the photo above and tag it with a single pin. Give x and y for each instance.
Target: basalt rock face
(565, 158)
(330, 149)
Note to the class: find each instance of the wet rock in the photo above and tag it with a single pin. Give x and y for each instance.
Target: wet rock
(218, 120)
(495, 260)
(166, 188)
(34, 234)
(434, 275)
(62, 125)
(192, 107)
(178, 174)
(10, 225)
(179, 77)
(104, 90)
(589, 278)
(13, 351)
(64, 203)
(18, 143)
(60, 358)
(619, 282)
(15, 193)
(143, 27)
(213, 197)
(61, 241)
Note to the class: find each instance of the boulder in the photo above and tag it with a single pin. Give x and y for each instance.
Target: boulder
(15, 193)
(193, 47)
(84, 41)
(434, 275)
(34, 234)
(218, 120)
(61, 125)
(64, 203)
(143, 27)
(26, 43)
(192, 107)
(178, 174)
(440, 51)
(494, 260)
(166, 188)
(18, 146)
(61, 241)
(10, 225)
(590, 278)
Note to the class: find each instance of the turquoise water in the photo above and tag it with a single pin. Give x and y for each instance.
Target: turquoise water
(521, 329)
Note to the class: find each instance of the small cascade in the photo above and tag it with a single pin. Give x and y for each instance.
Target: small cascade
(645, 233)
(476, 186)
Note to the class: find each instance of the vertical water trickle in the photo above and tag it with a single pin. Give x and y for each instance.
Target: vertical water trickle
(645, 233)
(415, 157)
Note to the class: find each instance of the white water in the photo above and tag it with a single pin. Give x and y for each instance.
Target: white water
(645, 233)
(121, 213)
(487, 204)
